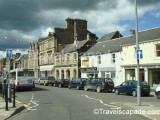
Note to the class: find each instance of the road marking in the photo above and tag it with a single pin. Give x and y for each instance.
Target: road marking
(28, 107)
(101, 101)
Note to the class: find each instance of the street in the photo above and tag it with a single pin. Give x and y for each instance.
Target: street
(48, 103)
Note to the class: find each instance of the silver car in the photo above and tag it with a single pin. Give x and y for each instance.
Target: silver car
(46, 80)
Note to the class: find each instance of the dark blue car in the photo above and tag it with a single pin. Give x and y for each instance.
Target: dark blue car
(130, 87)
(77, 83)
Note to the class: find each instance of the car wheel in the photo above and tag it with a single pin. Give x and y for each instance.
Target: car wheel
(78, 87)
(158, 95)
(147, 94)
(134, 93)
(117, 92)
(60, 85)
(85, 88)
(98, 89)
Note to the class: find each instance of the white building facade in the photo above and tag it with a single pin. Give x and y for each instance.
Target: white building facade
(103, 65)
(150, 63)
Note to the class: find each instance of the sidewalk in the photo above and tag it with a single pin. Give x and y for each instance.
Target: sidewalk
(152, 108)
(11, 111)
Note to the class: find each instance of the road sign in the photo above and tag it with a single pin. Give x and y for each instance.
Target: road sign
(139, 54)
(8, 53)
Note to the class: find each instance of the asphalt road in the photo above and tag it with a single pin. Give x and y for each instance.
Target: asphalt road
(52, 103)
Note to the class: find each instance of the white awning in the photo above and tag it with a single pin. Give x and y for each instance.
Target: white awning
(46, 68)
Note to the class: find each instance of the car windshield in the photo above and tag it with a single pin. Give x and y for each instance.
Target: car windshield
(50, 78)
(141, 83)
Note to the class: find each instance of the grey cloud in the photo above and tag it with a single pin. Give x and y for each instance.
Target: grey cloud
(26, 16)
(146, 2)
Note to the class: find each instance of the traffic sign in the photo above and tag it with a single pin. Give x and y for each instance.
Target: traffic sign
(8, 53)
(139, 54)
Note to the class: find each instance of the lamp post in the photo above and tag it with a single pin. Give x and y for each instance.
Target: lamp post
(137, 48)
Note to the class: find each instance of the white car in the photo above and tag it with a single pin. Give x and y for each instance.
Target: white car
(157, 92)
(46, 80)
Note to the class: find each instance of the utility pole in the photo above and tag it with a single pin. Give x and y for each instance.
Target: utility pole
(137, 48)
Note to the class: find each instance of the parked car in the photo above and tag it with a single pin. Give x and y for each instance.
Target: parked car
(157, 92)
(46, 80)
(99, 84)
(130, 87)
(61, 83)
(36, 80)
(77, 83)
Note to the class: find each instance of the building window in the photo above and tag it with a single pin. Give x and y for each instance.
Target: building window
(49, 58)
(63, 57)
(68, 57)
(99, 59)
(57, 58)
(49, 44)
(75, 57)
(113, 58)
(42, 59)
(158, 50)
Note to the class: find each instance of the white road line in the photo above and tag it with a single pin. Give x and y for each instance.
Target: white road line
(101, 101)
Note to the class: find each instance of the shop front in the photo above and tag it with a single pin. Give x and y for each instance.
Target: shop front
(89, 72)
(46, 70)
(148, 73)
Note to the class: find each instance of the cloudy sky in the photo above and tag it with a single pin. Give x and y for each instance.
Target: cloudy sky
(24, 21)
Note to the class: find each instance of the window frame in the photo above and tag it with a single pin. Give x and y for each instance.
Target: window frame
(99, 59)
(157, 50)
(113, 58)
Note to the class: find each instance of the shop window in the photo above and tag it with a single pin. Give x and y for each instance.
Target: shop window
(158, 50)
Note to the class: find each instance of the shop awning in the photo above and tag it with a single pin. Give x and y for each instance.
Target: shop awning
(46, 68)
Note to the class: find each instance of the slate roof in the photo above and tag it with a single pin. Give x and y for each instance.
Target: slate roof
(22, 57)
(71, 47)
(108, 36)
(116, 45)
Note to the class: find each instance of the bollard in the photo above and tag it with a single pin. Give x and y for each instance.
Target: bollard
(6, 96)
(14, 100)
(9, 93)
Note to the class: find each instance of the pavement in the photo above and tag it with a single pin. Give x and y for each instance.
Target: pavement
(11, 110)
(154, 107)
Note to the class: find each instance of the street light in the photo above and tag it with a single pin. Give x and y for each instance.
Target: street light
(137, 48)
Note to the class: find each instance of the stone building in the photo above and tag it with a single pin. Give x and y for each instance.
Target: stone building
(57, 40)
(67, 61)
(33, 58)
